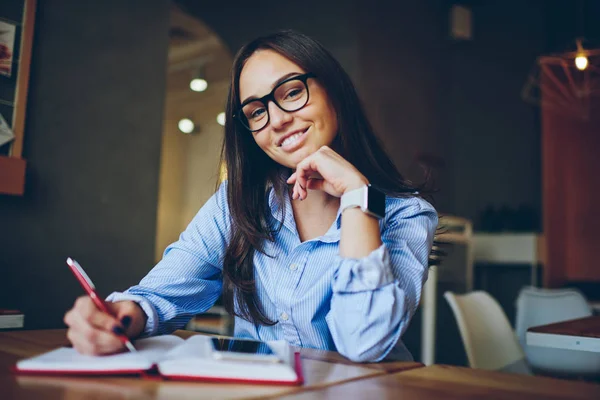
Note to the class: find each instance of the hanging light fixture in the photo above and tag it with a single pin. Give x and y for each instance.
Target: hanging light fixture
(581, 60)
(221, 118)
(186, 125)
(199, 82)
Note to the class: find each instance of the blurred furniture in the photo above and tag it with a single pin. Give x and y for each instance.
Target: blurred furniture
(536, 306)
(570, 143)
(453, 232)
(590, 290)
(215, 321)
(489, 340)
(457, 383)
(510, 248)
(568, 348)
(554, 350)
(11, 319)
(581, 334)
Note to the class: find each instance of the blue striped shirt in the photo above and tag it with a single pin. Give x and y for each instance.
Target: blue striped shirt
(358, 307)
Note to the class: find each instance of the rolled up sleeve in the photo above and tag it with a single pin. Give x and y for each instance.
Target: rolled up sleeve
(375, 297)
(188, 279)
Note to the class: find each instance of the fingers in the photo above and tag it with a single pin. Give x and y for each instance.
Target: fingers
(324, 170)
(315, 184)
(89, 340)
(292, 179)
(92, 331)
(87, 310)
(131, 316)
(299, 191)
(305, 170)
(308, 170)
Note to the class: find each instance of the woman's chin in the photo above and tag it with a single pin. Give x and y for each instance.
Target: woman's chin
(292, 160)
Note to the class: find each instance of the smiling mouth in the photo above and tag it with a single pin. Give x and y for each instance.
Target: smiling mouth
(292, 138)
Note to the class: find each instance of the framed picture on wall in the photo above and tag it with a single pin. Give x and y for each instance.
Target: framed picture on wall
(17, 18)
(6, 134)
(7, 47)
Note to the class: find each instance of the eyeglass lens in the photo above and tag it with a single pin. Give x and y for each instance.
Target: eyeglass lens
(289, 96)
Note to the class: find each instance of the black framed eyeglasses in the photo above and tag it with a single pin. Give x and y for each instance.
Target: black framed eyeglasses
(289, 95)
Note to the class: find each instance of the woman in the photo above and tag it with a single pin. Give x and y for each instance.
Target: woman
(289, 240)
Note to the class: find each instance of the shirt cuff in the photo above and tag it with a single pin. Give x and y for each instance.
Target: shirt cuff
(151, 314)
(363, 274)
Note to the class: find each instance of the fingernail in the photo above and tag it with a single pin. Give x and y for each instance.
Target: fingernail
(126, 320)
(118, 330)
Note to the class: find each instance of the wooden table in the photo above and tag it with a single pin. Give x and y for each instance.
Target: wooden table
(321, 369)
(577, 334)
(449, 382)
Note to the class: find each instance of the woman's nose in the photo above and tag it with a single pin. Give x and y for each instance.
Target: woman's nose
(278, 117)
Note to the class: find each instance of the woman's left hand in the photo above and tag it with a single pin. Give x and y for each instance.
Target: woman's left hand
(325, 170)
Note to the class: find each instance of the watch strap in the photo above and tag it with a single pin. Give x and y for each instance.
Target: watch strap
(354, 198)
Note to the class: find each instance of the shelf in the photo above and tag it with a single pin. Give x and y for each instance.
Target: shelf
(12, 175)
(509, 248)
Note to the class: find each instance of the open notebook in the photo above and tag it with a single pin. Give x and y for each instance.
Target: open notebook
(172, 358)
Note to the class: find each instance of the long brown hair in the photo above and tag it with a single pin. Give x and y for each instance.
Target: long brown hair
(250, 172)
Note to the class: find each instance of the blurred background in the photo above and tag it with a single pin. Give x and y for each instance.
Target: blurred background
(122, 147)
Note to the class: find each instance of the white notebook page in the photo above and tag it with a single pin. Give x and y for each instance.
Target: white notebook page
(150, 351)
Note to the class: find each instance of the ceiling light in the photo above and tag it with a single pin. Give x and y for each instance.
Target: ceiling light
(221, 118)
(198, 84)
(581, 61)
(186, 125)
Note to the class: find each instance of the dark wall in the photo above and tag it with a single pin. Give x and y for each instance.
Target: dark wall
(333, 22)
(92, 141)
(402, 55)
(496, 135)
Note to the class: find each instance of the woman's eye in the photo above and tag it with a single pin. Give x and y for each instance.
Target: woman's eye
(293, 93)
(257, 113)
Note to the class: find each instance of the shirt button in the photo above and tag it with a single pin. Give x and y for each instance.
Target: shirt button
(293, 267)
(284, 316)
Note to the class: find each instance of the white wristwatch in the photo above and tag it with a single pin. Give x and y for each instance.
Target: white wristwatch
(370, 200)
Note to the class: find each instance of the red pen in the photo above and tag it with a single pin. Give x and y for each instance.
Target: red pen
(90, 289)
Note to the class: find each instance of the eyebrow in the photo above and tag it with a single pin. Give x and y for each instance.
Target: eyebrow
(277, 82)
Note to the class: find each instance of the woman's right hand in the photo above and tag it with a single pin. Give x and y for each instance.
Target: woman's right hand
(94, 332)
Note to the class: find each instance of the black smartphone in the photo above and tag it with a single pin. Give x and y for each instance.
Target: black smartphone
(243, 350)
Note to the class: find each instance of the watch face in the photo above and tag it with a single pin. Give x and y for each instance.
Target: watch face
(376, 202)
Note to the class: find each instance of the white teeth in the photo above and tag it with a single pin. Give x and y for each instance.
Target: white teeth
(291, 139)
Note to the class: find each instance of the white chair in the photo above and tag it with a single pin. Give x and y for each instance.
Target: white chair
(536, 307)
(486, 333)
